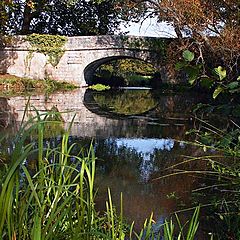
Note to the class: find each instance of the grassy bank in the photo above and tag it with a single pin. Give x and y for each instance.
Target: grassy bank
(49, 193)
(11, 85)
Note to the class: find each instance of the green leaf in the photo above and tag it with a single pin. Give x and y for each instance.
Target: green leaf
(206, 82)
(192, 80)
(233, 85)
(224, 109)
(236, 111)
(226, 141)
(193, 74)
(221, 217)
(217, 91)
(238, 79)
(188, 55)
(221, 72)
(236, 90)
(180, 65)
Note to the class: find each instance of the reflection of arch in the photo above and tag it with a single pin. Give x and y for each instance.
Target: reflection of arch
(91, 68)
(90, 103)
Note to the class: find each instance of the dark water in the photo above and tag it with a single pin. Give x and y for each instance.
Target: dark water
(136, 135)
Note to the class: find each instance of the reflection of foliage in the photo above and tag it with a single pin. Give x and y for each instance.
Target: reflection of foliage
(112, 156)
(116, 157)
(53, 124)
(5, 147)
(126, 102)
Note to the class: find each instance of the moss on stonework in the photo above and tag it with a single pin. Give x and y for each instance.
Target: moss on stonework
(50, 45)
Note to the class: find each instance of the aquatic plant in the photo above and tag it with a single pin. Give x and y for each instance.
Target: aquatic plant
(220, 194)
(56, 198)
(99, 87)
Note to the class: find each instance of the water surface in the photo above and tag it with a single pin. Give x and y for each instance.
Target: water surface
(136, 135)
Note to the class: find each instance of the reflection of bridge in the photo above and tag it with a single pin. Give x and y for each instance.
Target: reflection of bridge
(82, 55)
(160, 124)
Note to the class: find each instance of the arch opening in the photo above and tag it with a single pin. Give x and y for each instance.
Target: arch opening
(122, 71)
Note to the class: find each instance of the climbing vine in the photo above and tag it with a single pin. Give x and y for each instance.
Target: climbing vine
(50, 45)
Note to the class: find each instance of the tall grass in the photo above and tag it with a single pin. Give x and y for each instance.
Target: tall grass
(220, 194)
(56, 198)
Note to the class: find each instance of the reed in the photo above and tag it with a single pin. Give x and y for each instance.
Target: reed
(56, 198)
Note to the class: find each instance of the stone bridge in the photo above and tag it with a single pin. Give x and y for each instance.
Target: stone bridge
(81, 56)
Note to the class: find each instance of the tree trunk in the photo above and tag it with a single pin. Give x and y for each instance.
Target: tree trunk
(27, 18)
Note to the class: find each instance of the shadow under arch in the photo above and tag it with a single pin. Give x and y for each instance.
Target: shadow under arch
(92, 67)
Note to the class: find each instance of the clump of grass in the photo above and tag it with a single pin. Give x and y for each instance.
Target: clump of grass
(99, 87)
(56, 198)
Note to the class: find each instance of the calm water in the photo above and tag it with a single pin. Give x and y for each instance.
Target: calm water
(136, 135)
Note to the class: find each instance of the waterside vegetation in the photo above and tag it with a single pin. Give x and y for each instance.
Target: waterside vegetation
(55, 197)
(12, 85)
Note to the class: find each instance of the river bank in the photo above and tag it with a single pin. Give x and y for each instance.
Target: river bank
(11, 85)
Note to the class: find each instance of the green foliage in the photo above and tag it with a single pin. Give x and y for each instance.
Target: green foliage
(55, 199)
(217, 80)
(217, 91)
(188, 55)
(221, 73)
(187, 65)
(5, 6)
(125, 67)
(50, 45)
(151, 44)
(99, 87)
(63, 17)
(134, 72)
(222, 194)
(138, 80)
